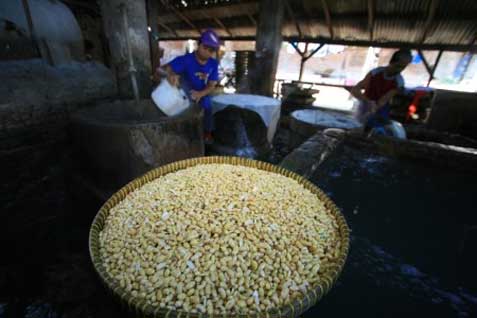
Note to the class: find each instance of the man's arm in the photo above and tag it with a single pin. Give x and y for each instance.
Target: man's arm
(386, 98)
(197, 95)
(389, 95)
(211, 83)
(167, 72)
(172, 70)
(356, 91)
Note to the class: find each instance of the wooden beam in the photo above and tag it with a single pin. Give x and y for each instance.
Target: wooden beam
(297, 49)
(430, 17)
(292, 17)
(182, 17)
(220, 24)
(430, 69)
(250, 17)
(426, 64)
(220, 11)
(314, 51)
(164, 26)
(326, 11)
(371, 19)
(304, 55)
(186, 20)
(365, 43)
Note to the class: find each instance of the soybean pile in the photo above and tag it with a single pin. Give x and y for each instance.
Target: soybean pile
(219, 238)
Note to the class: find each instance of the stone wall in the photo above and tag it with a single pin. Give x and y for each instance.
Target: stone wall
(34, 114)
(91, 24)
(36, 94)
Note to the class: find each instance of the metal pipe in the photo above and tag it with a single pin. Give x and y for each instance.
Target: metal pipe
(132, 69)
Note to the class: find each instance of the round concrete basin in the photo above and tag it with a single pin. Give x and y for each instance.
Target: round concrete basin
(118, 141)
(306, 122)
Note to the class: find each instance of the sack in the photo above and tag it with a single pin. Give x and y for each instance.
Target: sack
(169, 99)
(392, 129)
(397, 130)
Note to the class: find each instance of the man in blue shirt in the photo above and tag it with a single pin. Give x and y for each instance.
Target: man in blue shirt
(197, 73)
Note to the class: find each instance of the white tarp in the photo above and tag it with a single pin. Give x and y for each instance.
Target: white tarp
(268, 108)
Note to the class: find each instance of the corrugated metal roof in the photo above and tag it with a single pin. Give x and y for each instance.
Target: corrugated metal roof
(397, 30)
(347, 6)
(452, 32)
(403, 7)
(393, 22)
(447, 7)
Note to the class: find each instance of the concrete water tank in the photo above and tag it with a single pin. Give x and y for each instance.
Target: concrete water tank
(454, 112)
(118, 141)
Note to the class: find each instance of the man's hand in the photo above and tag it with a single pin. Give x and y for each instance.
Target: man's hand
(173, 79)
(196, 96)
(372, 107)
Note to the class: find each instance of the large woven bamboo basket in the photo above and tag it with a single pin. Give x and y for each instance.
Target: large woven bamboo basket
(293, 309)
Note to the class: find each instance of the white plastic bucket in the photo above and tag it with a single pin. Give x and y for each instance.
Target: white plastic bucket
(169, 99)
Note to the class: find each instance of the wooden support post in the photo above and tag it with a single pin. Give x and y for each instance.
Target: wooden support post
(302, 62)
(116, 35)
(152, 17)
(315, 50)
(305, 55)
(267, 46)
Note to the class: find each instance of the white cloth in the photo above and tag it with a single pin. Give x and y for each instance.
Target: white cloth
(268, 108)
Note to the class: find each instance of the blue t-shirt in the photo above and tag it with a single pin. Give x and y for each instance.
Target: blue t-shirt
(195, 76)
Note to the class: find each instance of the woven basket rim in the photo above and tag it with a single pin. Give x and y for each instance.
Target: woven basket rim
(293, 309)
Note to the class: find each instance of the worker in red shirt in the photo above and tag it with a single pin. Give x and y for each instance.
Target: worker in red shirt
(379, 86)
